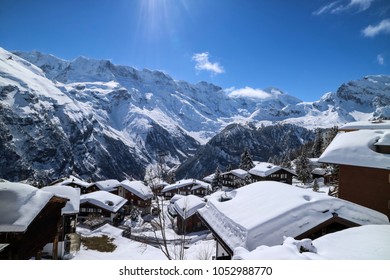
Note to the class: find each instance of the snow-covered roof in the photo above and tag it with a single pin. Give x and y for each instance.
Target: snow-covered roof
(188, 205)
(176, 197)
(157, 183)
(262, 213)
(385, 140)
(73, 194)
(108, 185)
(381, 124)
(241, 173)
(319, 171)
(369, 242)
(357, 148)
(264, 169)
(20, 204)
(209, 178)
(138, 188)
(104, 200)
(186, 182)
(74, 180)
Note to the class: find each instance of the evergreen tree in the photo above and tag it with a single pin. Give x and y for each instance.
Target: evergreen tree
(246, 161)
(302, 168)
(229, 167)
(171, 177)
(318, 144)
(216, 182)
(316, 186)
(330, 135)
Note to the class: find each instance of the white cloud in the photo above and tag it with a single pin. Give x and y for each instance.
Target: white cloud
(343, 5)
(248, 92)
(381, 59)
(382, 27)
(327, 8)
(203, 63)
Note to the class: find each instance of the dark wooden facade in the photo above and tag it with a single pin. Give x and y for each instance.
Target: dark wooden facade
(136, 201)
(369, 187)
(281, 175)
(232, 180)
(190, 224)
(87, 209)
(187, 189)
(44, 229)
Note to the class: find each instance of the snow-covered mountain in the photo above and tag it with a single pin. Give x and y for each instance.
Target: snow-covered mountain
(226, 147)
(97, 120)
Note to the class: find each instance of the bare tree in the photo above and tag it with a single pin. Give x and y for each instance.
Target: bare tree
(206, 252)
(172, 249)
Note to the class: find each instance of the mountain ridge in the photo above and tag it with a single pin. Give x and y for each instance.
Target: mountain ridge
(113, 120)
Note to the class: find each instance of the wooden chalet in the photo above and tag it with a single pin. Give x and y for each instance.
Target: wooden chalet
(68, 240)
(102, 204)
(137, 194)
(235, 178)
(187, 187)
(263, 213)
(265, 171)
(363, 157)
(110, 186)
(187, 220)
(74, 182)
(29, 219)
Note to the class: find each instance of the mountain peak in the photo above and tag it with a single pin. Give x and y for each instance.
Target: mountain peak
(101, 111)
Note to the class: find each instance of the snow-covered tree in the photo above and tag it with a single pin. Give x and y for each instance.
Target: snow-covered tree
(318, 144)
(229, 167)
(316, 186)
(302, 168)
(216, 179)
(246, 162)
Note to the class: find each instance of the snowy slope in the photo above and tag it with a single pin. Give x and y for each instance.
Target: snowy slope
(46, 133)
(203, 109)
(111, 120)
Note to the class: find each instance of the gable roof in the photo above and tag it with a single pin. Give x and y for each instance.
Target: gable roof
(73, 194)
(20, 204)
(262, 213)
(183, 183)
(107, 185)
(105, 200)
(357, 148)
(188, 205)
(265, 169)
(240, 173)
(138, 188)
(74, 180)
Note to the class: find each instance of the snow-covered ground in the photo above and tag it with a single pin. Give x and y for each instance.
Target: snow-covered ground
(132, 250)
(198, 245)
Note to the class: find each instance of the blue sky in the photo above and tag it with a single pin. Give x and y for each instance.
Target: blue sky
(305, 48)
